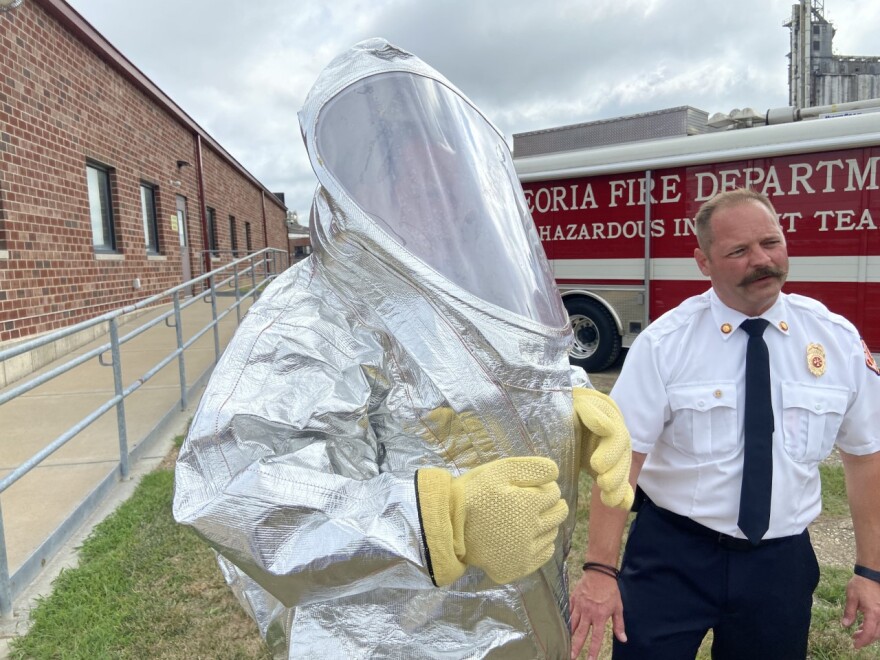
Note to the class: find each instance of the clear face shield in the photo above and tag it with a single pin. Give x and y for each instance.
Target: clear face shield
(437, 178)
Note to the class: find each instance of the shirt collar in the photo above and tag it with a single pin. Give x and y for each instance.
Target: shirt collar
(727, 320)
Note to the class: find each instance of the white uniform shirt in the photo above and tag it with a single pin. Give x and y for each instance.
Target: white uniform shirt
(682, 390)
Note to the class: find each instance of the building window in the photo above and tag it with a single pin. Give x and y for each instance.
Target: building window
(100, 208)
(233, 236)
(212, 232)
(2, 226)
(247, 237)
(151, 223)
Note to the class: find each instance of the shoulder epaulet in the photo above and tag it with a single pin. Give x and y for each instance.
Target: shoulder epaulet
(813, 306)
(681, 315)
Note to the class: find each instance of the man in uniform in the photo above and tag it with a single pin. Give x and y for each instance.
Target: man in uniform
(386, 457)
(733, 399)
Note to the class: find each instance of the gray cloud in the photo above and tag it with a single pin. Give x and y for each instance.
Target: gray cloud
(243, 70)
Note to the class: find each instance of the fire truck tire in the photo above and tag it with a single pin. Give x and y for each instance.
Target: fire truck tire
(597, 343)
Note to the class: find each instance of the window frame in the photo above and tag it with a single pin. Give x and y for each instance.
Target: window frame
(233, 237)
(151, 224)
(110, 243)
(247, 237)
(211, 221)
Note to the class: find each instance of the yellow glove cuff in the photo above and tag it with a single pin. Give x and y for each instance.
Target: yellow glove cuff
(433, 489)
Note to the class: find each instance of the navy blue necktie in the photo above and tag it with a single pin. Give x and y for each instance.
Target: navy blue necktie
(757, 478)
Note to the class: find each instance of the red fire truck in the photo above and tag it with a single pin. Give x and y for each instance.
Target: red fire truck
(616, 220)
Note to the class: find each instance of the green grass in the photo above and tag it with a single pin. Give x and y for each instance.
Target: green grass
(145, 588)
(828, 640)
(834, 501)
(149, 588)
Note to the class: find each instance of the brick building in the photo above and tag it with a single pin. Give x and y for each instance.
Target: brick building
(109, 192)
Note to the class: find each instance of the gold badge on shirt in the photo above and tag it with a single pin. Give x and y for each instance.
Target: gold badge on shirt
(816, 359)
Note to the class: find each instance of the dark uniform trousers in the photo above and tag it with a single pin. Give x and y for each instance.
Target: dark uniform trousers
(680, 579)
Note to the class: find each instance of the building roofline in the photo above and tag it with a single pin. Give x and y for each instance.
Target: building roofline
(88, 35)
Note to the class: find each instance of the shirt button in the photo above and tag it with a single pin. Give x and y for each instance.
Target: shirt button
(717, 394)
(818, 406)
(701, 404)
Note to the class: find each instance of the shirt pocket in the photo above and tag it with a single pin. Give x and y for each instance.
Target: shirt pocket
(704, 418)
(811, 418)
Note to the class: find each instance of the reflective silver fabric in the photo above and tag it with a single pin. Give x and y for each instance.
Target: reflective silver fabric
(386, 351)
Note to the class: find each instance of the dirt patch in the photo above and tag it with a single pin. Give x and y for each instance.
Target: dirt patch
(834, 541)
(169, 461)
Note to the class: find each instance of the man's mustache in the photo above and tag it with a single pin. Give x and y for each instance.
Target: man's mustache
(759, 273)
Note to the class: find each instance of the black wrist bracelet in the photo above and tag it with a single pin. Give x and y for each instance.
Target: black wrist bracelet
(867, 573)
(605, 569)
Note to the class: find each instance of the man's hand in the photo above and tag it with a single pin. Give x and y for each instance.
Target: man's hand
(862, 595)
(595, 598)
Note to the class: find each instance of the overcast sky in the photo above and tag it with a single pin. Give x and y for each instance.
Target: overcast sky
(242, 69)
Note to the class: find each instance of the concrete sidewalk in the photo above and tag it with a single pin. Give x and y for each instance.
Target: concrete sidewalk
(35, 506)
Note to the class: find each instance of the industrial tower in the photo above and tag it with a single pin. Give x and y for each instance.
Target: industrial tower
(818, 77)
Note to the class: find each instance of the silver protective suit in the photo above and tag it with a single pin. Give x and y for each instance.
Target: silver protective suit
(425, 330)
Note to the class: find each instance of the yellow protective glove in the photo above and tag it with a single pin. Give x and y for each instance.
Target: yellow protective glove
(502, 516)
(606, 450)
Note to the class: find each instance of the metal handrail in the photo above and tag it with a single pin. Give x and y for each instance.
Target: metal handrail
(264, 265)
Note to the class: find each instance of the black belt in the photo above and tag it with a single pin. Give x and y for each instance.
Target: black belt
(692, 526)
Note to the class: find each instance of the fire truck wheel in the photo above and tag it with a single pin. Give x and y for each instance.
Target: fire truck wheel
(596, 340)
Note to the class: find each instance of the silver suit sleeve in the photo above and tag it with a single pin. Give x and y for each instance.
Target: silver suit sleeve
(282, 471)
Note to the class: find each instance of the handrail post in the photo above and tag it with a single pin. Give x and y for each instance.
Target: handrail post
(120, 405)
(5, 586)
(215, 323)
(10, 582)
(181, 361)
(253, 277)
(237, 295)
